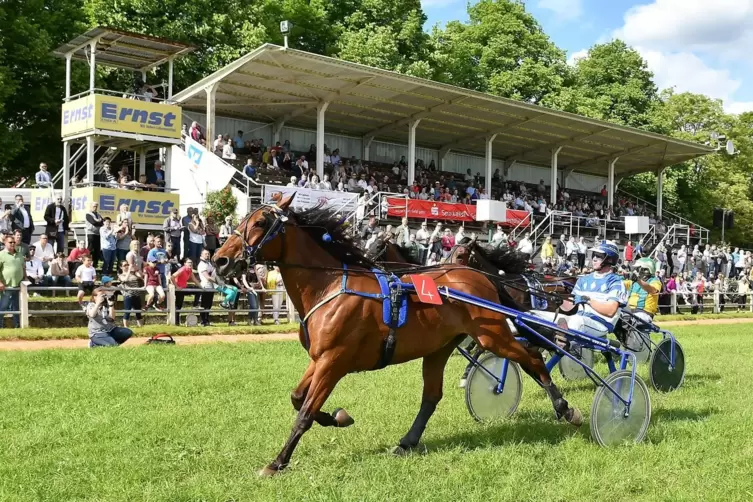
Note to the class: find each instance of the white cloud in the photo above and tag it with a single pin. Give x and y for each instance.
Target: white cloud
(722, 27)
(575, 56)
(678, 38)
(565, 9)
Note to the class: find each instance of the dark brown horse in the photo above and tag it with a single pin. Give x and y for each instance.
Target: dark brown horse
(344, 332)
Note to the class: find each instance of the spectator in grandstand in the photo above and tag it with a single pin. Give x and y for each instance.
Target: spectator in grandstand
(34, 269)
(422, 239)
(6, 225)
(43, 178)
(148, 246)
(447, 242)
(525, 246)
(180, 279)
(56, 217)
(499, 238)
(226, 229)
(108, 239)
(293, 182)
(561, 249)
(131, 284)
(59, 272)
(249, 169)
(627, 253)
(124, 215)
(94, 223)
(173, 229)
(44, 251)
(211, 236)
(682, 256)
(123, 238)
(196, 133)
(85, 277)
(76, 257)
(369, 230)
(133, 257)
(153, 284)
(12, 272)
(274, 286)
(325, 184)
(21, 220)
(196, 237)
(158, 255)
(403, 233)
(547, 253)
(582, 249)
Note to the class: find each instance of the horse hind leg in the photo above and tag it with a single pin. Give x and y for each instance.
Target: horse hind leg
(433, 375)
(532, 362)
(338, 418)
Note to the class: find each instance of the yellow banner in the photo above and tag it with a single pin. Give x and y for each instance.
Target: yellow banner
(111, 113)
(40, 199)
(78, 116)
(145, 207)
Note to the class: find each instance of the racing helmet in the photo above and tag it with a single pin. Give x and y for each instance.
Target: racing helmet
(647, 264)
(612, 254)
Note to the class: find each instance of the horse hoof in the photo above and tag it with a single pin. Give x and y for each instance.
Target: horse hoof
(342, 418)
(402, 451)
(574, 417)
(268, 471)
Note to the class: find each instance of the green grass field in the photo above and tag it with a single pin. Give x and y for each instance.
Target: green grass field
(178, 423)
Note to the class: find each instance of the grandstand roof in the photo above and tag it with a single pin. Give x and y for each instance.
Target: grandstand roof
(273, 83)
(123, 49)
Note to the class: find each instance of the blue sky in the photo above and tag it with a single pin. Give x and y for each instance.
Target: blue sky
(703, 46)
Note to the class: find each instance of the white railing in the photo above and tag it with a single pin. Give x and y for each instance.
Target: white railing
(703, 232)
(673, 232)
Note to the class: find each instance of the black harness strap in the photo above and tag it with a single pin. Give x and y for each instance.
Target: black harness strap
(389, 343)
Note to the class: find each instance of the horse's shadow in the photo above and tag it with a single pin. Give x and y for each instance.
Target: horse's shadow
(523, 427)
(681, 414)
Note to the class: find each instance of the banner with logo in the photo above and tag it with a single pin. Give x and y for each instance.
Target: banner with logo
(119, 114)
(431, 210)
(306, 198)
(40, 199)
(146, 207)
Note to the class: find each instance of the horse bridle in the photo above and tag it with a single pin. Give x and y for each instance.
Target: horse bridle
(274, 228)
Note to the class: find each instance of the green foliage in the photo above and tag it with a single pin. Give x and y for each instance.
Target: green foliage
(219, 205)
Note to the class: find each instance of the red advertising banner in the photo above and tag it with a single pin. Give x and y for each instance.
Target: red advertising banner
(431, 210)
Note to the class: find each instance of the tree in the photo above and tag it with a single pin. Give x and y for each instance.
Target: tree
(219, 205)
(31, 82)
(612, 83)
(502, 50)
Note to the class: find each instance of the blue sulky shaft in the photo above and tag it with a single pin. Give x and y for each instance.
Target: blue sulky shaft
(525, 320)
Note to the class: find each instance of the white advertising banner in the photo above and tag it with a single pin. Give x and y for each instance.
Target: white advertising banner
(306, 198)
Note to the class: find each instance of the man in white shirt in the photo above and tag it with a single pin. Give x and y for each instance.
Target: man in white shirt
(44, 251)
(293, 182)
(525, 246)
(422, 237)
(362, 182)
(34, 269)
(499, 238)
(43, 177)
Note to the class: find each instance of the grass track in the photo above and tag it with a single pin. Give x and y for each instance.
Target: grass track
(196, 423)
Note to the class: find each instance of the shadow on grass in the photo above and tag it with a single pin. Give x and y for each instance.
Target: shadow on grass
(700, 379)
(681, 414)
(524, 427)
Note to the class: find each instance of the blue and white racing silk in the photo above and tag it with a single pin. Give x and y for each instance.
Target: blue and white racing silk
(602, 288)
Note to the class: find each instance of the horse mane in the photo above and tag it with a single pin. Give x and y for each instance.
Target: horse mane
(504, 258)
(318, 221)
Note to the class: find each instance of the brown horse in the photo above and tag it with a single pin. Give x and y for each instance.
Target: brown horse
(327, 278)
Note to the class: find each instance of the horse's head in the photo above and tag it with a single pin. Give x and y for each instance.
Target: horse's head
(256, 238)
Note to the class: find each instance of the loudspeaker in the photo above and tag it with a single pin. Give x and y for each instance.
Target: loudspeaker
(718, 215)
(729, 220)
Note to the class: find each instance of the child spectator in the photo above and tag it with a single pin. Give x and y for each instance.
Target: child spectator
(153, 284)
(85, 276)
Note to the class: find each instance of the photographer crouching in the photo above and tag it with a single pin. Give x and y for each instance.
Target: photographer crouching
(101, 313)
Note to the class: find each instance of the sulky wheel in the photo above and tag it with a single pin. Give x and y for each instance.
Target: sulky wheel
(666, 376)
(570, 370)
(482, 398)
(609, 425)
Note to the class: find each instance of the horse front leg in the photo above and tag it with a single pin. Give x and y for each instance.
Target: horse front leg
(338, 418)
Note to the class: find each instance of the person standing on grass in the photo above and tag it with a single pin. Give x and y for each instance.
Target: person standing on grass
(102, 329)
(131, 283)
(180, 279)
(252, 285)
(274, 283)
(208, 280)
(12, 273)
(94, 223)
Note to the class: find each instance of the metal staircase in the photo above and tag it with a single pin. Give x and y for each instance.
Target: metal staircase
(702, 233)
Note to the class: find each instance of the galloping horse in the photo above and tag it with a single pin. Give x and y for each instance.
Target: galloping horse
(338, 292)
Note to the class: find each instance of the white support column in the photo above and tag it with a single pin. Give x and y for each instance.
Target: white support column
(276, 130)
(320, 111)
(90, 159)
(168, 167)
(92, 64)
(442, 156)
(170, 78)
(68, 76)
(553, 178)
(412, 150)
(488, 161)
(367, 147)
(659, 192)
(211, 94)
(610, 183)
(66, 170)
(142, 163)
